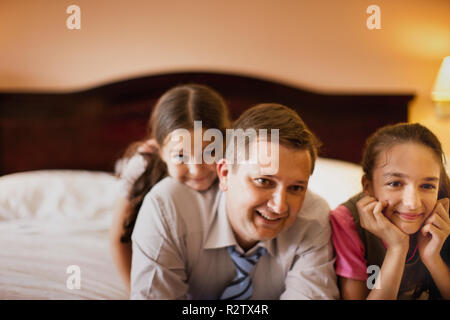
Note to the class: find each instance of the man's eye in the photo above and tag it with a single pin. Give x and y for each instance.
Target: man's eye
(262, 181)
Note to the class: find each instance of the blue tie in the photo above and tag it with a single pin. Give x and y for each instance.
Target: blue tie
(241, 286)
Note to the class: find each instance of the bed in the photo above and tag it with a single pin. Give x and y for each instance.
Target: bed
(58, 152)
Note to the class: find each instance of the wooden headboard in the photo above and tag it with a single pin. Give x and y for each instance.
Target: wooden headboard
(90, 129)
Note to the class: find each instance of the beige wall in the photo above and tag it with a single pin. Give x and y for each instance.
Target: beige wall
(323, 44)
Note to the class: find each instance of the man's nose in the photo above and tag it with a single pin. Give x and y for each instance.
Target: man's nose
(278, 202)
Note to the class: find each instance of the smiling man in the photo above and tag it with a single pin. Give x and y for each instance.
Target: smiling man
(254, 235)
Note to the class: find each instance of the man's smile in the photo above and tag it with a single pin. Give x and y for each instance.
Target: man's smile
(269, 217)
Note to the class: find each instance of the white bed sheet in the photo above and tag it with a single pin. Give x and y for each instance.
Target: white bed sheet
(34, 262)
(50, 220)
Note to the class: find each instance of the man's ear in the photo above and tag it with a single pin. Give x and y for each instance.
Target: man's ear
(367, 185)
(223, 170)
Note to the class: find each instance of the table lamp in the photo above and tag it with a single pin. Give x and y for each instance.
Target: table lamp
(441, 90)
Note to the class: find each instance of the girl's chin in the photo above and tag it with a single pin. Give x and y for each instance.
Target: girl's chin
(408, 228)
(410, 231)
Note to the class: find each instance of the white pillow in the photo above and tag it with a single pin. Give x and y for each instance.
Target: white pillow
(57, 194)
(335, 180)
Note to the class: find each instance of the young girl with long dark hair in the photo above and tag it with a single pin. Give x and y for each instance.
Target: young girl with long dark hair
(163, 153)
(398, 228)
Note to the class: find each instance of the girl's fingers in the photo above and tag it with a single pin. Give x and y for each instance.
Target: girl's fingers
(378, 211)
(371, 212)
(441, 209)
(437, 221)
(368, 210)
(365, 214)
(426, 229)
(433, 230)
(380, 206)
(446, 204)
(365, 201)
(439, 216)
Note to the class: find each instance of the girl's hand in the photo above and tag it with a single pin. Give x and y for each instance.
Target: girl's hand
(372, 219)
(149, 146)
(434, 232)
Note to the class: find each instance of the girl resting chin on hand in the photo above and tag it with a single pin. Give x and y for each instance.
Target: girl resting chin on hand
(400, 222)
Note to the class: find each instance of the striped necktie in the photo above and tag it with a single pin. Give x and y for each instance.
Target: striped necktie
(241, 286)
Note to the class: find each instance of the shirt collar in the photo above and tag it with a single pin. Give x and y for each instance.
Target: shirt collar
(221, 234)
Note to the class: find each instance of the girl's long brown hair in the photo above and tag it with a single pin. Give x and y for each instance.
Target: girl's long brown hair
(177, 108)
(391, 135)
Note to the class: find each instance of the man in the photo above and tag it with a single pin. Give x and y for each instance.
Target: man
(258, 235)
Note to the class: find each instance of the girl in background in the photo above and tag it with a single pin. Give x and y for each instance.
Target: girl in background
(399, 223)
(161, 154)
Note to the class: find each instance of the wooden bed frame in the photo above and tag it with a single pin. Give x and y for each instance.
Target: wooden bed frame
(90, 129)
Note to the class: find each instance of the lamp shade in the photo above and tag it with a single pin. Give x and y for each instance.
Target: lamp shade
(441, 90)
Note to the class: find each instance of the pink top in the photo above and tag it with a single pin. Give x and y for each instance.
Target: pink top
(350, 261)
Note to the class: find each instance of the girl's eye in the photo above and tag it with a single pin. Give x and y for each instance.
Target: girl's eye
(179, 158)
(428, 186)
(298, 189)
(394, 184)
(211, 152)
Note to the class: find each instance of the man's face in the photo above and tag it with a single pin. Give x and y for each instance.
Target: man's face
(260, 206)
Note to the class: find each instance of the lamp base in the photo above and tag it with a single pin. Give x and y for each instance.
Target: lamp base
(442, 109)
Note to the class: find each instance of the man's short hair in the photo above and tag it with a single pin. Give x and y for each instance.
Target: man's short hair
(293, 132)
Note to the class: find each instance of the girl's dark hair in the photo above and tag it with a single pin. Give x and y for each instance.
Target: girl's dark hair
(177, 108)
(392, 135)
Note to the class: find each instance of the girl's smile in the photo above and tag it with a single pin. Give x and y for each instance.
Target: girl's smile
(409, 216)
